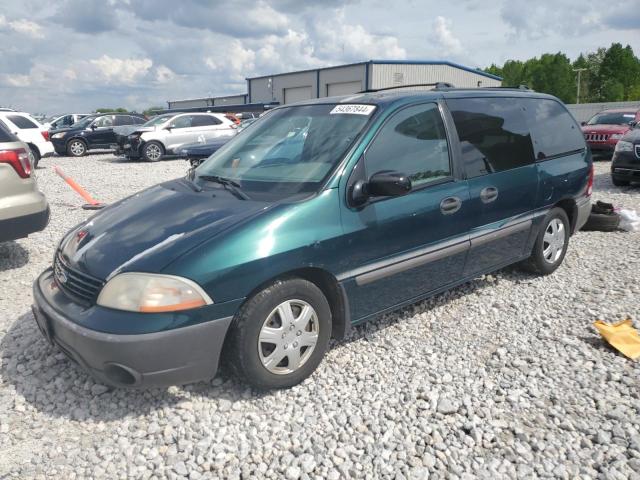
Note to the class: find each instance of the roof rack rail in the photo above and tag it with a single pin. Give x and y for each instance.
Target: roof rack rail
(436, 85)
(519, 87)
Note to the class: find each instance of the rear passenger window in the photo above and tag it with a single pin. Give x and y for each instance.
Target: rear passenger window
(204, 121)
(21, 122)
(554, 130)
(412, 142)
(494, 134)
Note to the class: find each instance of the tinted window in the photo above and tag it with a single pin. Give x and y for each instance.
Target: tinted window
(494, 134)
(106, 121)
(21, 122)
(6, 135)
(139, 120)
(181, 122)
(553, 128)
(204, 120)
(123, 120)
(412, 142)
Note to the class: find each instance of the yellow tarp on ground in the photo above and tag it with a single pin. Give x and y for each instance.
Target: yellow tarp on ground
(621, 336)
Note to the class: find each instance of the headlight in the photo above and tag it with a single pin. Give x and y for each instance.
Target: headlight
(623, 146)
(59, 135)
(144, 292)
(617, 136)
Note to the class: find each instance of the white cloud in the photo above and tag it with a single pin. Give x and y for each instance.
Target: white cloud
(122, 70)
(444, 37)
(164, 74)
(23, 26)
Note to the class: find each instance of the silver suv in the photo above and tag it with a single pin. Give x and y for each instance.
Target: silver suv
(23, 209)
(165, 134)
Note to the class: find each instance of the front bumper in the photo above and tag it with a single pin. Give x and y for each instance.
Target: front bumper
(170, 357)
(607, 147)
(626, 165)
(20, 227)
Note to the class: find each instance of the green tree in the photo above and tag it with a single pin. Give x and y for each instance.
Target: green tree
(151, 111)
(553, 74)
(619, 73)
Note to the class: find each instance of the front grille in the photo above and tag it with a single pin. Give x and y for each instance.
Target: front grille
(637, 147)
(74, 283)
(596, 137)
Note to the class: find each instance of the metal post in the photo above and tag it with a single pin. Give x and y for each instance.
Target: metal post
(579, 70)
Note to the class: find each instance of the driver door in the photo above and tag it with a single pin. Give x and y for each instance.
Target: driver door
(400, 248)
(180, 131)
(101, 134)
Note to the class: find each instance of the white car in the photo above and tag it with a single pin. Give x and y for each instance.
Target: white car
(62, 121)
(29, 131)
(165, 134)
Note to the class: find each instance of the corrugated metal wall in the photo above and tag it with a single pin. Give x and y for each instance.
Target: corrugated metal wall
(343, 75)
(584, 111)
(271, 89)
(230, 100)
(392, 74)
(191, 103)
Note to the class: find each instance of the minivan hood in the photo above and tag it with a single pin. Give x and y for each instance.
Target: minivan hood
(148, 230)
(605, 128)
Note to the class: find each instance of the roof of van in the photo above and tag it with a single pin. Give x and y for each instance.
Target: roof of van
(388, 96)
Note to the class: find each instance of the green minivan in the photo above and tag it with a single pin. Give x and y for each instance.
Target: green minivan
(319, 216)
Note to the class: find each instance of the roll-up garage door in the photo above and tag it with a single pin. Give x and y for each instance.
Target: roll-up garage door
(297, 94)
(343, 88)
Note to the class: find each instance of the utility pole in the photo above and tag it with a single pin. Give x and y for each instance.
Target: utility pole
(579, 70)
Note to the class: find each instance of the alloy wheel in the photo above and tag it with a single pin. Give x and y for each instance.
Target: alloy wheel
(77, 148)
(288, 337)
(153, 152)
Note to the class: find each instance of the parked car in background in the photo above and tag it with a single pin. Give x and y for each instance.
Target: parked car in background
(165, 134)
(625, 163)
(605, 128)
(232, 116)
(29, 131)
(196, 153)
(63, 121)
(247, 115)
(23, 208)
(322, 215)
(92, 132)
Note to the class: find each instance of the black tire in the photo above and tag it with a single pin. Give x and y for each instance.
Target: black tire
(601, 222)
(620, 183)
(241, 348)
(537, 263)
(36, 155)
(76, 147)
(150, 151)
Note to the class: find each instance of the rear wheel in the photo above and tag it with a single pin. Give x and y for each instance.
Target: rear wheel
(76, 148)
(36, 155)
(551, 244)
(152, 151)
(280, 335)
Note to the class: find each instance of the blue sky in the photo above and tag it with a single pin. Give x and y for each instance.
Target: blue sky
(78, 55)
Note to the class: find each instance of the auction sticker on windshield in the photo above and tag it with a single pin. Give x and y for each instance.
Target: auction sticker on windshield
(353, 109)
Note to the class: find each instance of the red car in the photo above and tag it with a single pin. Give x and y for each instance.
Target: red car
(605, 128)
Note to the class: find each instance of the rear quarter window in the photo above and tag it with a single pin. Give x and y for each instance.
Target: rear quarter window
(554, 130)
(21, 122)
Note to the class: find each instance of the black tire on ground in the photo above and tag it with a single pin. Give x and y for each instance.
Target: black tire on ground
(76, 147)
(152, 151)
(602, 222)
(241, 353)
(620, 183)
(537, 263)
(36, 155)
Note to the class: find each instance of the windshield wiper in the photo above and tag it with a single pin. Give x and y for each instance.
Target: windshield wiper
(227, 183)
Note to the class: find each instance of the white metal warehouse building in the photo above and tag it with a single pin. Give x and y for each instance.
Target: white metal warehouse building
(293, 87)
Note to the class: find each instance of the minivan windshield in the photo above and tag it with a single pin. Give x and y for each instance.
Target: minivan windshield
(158, 120)
(289, 151)
(612, 118)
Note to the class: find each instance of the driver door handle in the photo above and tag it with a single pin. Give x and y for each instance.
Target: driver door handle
(488, 194)
(450, 205)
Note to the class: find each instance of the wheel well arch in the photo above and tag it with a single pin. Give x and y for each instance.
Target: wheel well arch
(33, 146)
(330, 287)
(571, 209)
(86, 144)
(146, 142)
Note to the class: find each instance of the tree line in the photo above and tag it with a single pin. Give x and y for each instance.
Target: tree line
(610, 75)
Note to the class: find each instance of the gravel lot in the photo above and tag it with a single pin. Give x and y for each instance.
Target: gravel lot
(503, 377)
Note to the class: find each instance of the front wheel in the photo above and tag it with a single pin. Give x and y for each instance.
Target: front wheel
(280, 335)
(551, 244)
(152, 151)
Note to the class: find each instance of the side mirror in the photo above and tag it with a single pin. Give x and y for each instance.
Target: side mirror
(168, 128)
(386, 183)
(93, 127)
(583, 123)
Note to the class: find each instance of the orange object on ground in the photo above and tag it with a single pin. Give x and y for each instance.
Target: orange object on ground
(621, 336)
(71, 182)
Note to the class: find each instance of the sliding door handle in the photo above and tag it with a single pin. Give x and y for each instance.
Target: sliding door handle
(450, 205)
(488, 194)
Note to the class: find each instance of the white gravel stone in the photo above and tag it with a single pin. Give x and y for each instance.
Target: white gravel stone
(502, 377)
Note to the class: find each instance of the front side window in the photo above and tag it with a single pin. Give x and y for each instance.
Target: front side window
(412, 142)
(183, 121)
(553, 128)
(106, 121)
(494, 134)
(21, 122)
(290, 151)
